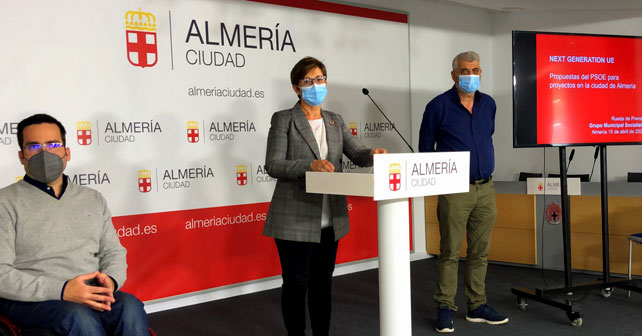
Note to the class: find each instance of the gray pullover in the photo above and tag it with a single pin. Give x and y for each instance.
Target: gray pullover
(45, 241)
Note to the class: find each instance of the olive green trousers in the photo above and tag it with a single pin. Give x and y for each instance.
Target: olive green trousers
(471, 214)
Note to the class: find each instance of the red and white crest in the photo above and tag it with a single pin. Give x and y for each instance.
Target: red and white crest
(353, 128)
(83, 133)
(193, 133)
(144, 181)
(140, 34)
(241, 175)
(394, 176)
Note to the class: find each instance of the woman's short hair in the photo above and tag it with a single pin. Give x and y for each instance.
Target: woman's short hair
(304, 66)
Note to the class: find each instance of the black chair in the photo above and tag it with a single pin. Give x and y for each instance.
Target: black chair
(8, 328)
(582, 177)
(634, 177)
(524, 175)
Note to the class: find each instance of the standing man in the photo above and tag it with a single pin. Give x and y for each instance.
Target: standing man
(61, 262)
(463, 119)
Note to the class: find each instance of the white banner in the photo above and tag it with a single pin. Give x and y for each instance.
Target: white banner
(420, 174)
(132, 80)
(552, 186)
(167, 107)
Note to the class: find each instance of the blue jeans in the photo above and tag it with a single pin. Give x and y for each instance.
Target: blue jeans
(127, 316)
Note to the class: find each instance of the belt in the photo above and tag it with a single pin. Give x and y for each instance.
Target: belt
(481, 181)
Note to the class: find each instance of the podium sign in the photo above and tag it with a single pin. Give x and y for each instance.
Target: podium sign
(396, 178)
(552, 186)
(420, 174)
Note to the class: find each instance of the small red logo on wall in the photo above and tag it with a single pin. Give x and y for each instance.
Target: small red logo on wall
(144, 181)
(554, 213)
(192, 132)
(241, 175)
(394, 176)
(353, 128)
(83, 133)
(140, 34)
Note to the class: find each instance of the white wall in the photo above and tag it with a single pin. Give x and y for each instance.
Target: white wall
(510, 161)
(440, 30)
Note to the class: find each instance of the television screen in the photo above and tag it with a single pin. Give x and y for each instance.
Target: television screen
(576, 89)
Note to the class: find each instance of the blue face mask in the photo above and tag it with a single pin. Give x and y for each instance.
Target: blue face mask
(314, 95)
(469, 83)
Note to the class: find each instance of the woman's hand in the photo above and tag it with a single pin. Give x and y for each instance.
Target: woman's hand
(321, 166)
(378, 151)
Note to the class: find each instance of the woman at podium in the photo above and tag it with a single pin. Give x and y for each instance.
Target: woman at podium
(307, 227)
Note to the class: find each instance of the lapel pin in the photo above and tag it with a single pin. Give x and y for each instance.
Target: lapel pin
(331, 122)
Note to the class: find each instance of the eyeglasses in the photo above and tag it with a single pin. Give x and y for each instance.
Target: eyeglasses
(36, 148)
(307, 81)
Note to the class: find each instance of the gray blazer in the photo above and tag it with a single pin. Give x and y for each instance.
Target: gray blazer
(291, 148)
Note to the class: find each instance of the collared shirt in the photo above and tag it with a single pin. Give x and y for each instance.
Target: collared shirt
(447, 123)
(46, 188)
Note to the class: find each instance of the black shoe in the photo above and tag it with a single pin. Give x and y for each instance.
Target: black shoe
(486, 314)
(445, 320)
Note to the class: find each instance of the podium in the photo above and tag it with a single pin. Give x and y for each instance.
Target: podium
(396, 178)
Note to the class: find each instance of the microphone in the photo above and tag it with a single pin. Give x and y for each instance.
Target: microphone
(597, 150)
(367, 93)
(570, 158)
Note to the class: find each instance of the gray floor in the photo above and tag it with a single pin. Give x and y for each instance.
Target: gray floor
(356, 311)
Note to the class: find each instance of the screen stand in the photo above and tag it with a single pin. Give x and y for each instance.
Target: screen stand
(562, 297)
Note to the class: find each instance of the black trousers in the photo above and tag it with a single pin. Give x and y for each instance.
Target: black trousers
(307, 269)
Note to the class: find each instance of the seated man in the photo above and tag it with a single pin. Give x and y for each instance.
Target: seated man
(61, 262)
